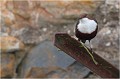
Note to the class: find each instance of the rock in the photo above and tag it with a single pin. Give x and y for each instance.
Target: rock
(7, 66)
(115, 63)
(68, 73)
(44, 29)
(18, 17)
(60, 12)
(106, 40)
(106, 35)
(45, 55)
(78, 69)
(35, 21)
(5, 30)
(10, 44)
(106, 43)
(107, 14)
(18, 29)
(19, 55)
(113, 3)
(21, 9)
(30, 35)
(36, 72)
(8, 17)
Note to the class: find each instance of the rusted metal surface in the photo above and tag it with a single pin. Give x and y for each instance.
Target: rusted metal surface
(75, 49)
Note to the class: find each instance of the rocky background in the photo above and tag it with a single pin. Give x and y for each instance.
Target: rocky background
(27, 31)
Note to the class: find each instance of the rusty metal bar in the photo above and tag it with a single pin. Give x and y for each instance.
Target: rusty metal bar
(75, 49)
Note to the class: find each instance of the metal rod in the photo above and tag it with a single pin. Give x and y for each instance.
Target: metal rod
(76, 50)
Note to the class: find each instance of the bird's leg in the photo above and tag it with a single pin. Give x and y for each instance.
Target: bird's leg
(90, 46)
(83, 41)
(79, 40)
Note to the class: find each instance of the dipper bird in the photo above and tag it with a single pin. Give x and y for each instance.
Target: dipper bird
(86, 28)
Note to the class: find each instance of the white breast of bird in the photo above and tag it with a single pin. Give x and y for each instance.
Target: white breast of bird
(86, 25)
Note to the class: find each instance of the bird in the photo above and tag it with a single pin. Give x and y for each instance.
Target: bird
(86, 28)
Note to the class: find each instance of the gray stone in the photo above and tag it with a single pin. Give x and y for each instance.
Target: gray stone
(78, 69)
(7, 65)
(46, 55)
